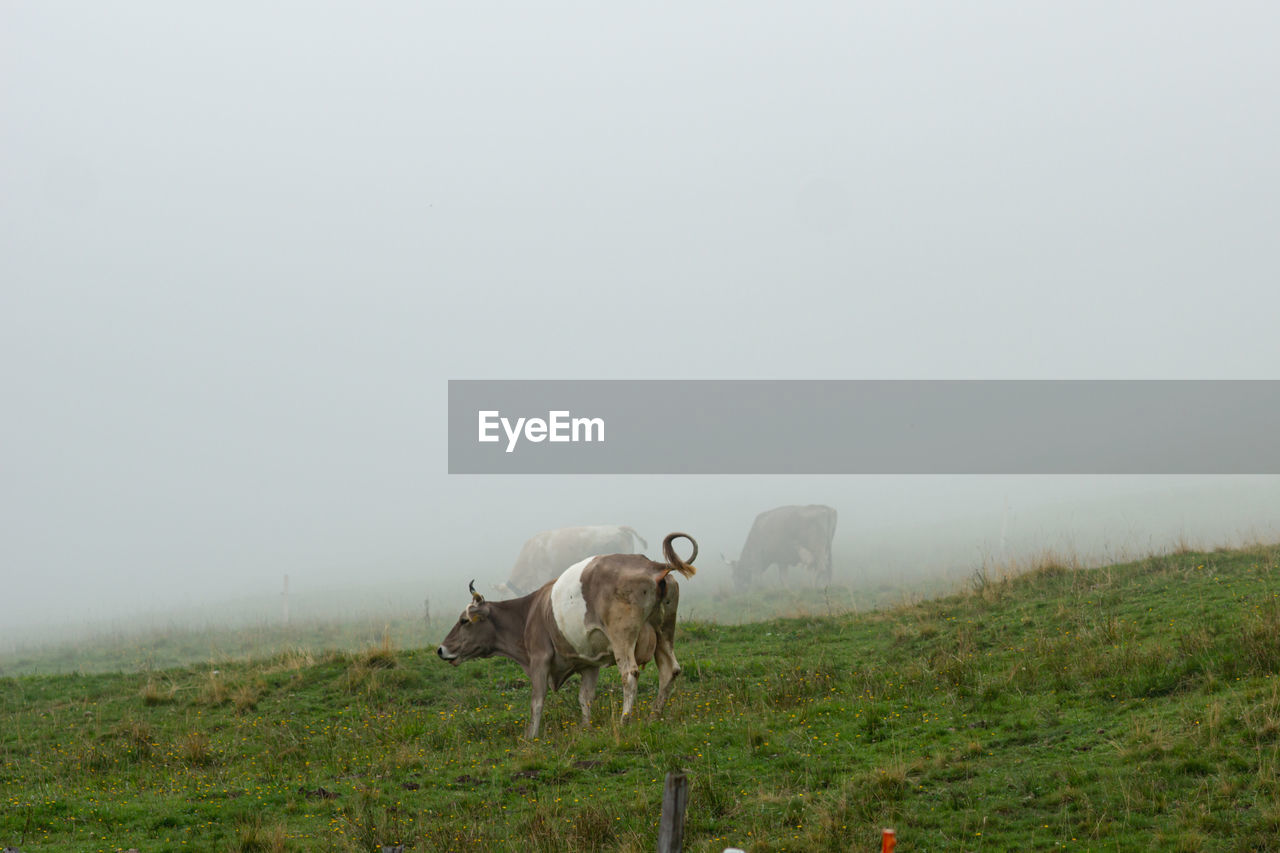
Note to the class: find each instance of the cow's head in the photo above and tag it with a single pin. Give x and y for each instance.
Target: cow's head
(473, 635)
(740, 575)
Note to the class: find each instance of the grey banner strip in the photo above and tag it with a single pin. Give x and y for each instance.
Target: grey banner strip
(864, 427)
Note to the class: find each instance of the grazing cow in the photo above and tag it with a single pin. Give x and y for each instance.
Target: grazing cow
(619, 608)
(785, 537)
(550, 552)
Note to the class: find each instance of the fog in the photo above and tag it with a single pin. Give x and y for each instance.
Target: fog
(243, 248)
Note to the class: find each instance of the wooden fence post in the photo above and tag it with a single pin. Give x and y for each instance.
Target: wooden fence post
(675, 797)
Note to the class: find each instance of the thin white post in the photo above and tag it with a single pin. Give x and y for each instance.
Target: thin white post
(284, 598)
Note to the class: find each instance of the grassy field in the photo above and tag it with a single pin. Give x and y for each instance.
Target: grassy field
(248, 632)
(1132, 707)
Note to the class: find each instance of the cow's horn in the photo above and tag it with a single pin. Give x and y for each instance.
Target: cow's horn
(477, 596)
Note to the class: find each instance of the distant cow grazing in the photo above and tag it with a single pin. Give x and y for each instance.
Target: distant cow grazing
(550, 552)
(785, 537)
(619, 608)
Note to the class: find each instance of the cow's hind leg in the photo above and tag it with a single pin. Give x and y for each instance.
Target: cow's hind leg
(587, 692)
(625, 655)
(668, 671)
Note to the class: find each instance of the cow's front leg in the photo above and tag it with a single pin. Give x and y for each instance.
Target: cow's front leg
(538, 682)
(587, 692)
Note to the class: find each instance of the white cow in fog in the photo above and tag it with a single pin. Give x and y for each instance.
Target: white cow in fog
(550, 552)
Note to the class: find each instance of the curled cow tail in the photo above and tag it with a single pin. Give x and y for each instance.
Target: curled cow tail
(674, 563)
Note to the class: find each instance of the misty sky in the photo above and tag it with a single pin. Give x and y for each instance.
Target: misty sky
(243, 246)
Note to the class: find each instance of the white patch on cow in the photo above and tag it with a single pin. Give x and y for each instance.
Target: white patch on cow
(569, 606)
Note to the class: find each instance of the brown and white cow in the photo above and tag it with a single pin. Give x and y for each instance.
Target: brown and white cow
(619, 608)
(545, 555)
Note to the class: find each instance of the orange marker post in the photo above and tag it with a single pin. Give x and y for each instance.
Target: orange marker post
(887, 840)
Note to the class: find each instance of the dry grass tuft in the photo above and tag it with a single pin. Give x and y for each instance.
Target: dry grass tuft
(257, 836)
(138, 736)
(245, 696)
(154, 693)
(214, 691)
(554, 828)
(291, 660)
(381, 656)
(194, 750)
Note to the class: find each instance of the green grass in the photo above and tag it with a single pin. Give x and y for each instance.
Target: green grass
(1132, 707)
(200, 638)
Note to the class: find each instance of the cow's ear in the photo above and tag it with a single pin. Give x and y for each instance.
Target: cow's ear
(477, 614)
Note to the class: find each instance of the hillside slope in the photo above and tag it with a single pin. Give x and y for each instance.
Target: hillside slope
(1132, 707)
